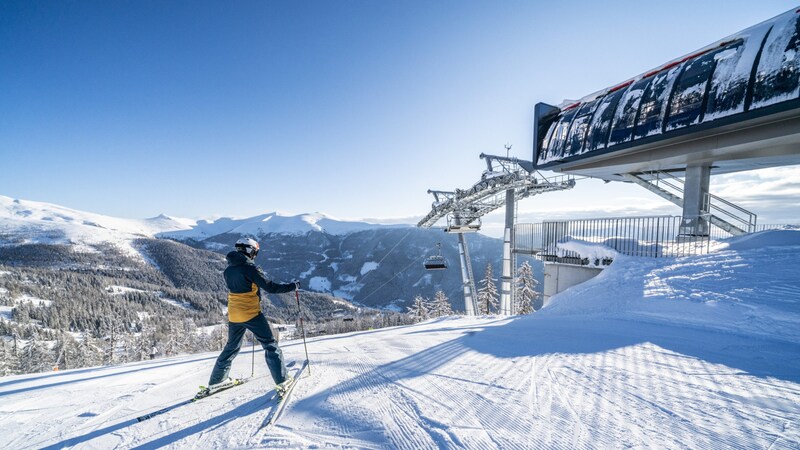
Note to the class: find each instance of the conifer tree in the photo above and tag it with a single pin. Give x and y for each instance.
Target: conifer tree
(66, 352)
(89, 353)
(441, 305)
(36, 357)
(487, 293)
(526, 296)
(419, 309)
(9, 363)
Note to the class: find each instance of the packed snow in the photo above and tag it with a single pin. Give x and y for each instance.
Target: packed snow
(693, 352)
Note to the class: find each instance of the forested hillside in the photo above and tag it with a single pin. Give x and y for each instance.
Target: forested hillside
(63, 308)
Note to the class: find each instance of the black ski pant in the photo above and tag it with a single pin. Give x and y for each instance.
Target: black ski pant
(259, 326)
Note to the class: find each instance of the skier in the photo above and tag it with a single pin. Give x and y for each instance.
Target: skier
(153, 352)
(245, 282)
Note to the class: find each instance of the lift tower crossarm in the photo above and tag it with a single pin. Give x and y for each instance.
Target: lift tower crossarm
(489, 193)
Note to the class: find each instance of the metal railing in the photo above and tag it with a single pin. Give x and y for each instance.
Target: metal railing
(714, 207)
(728, 212)
(774, 226)
(653, 237)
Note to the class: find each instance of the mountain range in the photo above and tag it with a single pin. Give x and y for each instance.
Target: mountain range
(368, 264)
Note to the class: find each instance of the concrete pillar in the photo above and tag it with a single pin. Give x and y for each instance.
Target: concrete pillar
(507, 278)
(695, 193)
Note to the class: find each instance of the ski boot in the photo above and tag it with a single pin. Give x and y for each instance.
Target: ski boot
(284, 387)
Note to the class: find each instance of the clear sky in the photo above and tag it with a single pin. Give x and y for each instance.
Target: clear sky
(352, 108)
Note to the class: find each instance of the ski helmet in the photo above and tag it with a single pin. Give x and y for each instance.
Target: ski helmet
(247, 246)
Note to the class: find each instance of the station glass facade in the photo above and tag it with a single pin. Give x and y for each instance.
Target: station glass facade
(755, 71)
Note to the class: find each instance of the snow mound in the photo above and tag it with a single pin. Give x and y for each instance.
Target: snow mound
(763, 239)
(593, 251)
(750, 287)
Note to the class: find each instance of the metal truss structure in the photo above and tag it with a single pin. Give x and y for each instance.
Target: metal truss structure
(505, 181)
(488, 194)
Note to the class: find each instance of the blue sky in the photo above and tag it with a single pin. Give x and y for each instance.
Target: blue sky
(353, 108)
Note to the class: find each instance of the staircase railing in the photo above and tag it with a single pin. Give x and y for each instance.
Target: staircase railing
(730, 213)
(719, 212)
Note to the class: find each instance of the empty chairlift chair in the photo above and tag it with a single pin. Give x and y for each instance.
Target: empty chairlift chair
(436, 262)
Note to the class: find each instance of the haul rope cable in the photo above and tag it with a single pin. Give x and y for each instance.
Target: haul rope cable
(390, 279)
(390, 251)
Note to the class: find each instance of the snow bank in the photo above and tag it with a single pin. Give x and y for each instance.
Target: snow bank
(593, 251)
(751, 287)
(764, 239)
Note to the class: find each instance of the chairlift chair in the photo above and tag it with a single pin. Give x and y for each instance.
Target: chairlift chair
(436, 262)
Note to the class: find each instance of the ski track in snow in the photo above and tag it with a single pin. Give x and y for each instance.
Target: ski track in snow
(687, 353)
(425, 386)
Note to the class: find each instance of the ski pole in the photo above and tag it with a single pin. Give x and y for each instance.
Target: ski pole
(253, 359)
(302, 328)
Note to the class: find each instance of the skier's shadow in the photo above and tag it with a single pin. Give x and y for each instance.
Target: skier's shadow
(113, 372)
(243, 410)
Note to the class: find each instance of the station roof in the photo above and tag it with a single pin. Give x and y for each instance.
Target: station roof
(734, 105)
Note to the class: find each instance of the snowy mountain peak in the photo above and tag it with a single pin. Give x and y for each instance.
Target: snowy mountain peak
(30, 222)
(273, 223)
(26, 222)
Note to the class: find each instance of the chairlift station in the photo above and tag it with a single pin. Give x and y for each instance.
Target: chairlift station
(731, 106)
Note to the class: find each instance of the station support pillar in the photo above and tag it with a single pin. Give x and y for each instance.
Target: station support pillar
(695, 201)
(507, 277)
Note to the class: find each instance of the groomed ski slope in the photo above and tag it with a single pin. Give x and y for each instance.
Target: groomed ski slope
(697, 352)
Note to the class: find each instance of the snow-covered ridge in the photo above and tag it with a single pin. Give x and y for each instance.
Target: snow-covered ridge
(31, 222)
(21, 213)
(273, 223)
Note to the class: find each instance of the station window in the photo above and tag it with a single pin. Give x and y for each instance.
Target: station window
(544, 154)
(559, 138)
(654, 103)
(686, 106)
(778, 74)
(625, 118)
(597, 136)
(577, 132)
(731, 76)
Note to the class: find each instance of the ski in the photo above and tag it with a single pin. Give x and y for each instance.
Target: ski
(204, 392)
(211, 390)
(276, 412)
